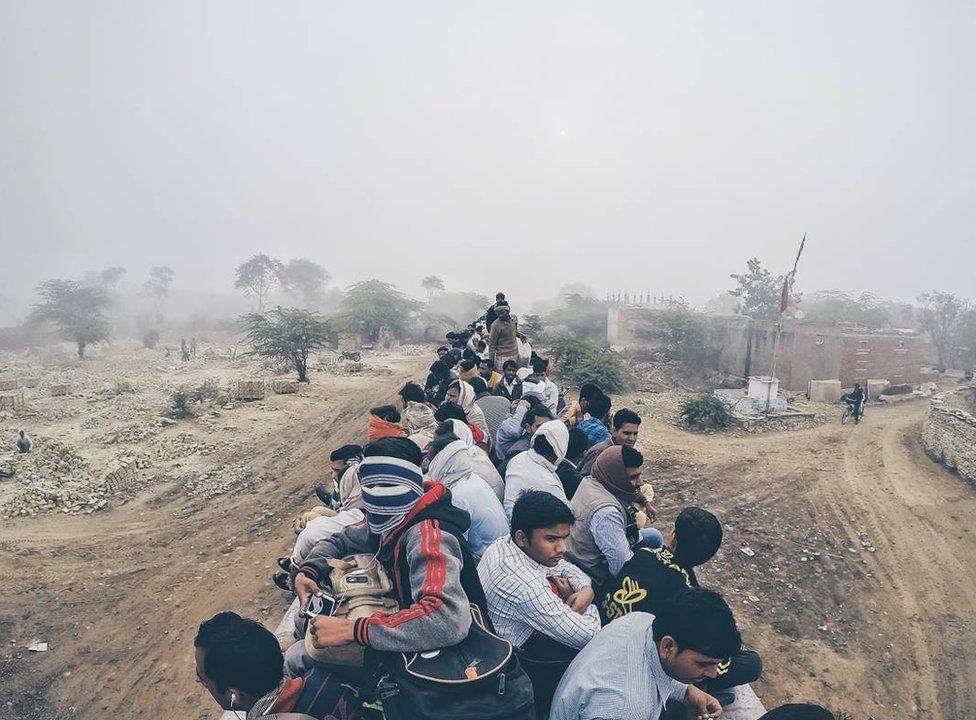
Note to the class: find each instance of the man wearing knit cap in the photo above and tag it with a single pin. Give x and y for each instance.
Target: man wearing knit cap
(417, 534)
(604, 533)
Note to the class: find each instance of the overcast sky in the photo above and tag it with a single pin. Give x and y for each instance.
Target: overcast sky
(500, 145)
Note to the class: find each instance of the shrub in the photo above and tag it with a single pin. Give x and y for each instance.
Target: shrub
(150, 339)
(180, 403)
(705, 412)
(122, 387)
(582, 361)
(209, 389)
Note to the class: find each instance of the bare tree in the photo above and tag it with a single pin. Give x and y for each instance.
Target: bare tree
(942, 317)
(258, 276)
(157, 287)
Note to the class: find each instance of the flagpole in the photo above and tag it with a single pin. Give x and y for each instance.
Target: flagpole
(784, 303)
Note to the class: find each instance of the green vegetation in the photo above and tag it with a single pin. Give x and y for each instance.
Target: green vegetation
(705, 412)
(289, 335)
(180, 403)
(582, 361)
(76, 309)
(372, 304)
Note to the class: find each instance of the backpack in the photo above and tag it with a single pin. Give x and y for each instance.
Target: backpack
(362, 588)
(480, 678)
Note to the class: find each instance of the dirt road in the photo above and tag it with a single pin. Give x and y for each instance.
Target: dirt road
(860, 591)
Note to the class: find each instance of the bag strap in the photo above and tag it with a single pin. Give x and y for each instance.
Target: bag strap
(287, 716)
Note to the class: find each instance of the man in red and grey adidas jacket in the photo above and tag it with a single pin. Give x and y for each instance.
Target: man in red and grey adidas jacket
(417, 534)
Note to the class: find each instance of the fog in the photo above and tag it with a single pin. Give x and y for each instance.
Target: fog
(498, 145)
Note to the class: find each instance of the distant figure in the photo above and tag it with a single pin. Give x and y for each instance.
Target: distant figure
(184, 350)
(193, 346)
(24, 443)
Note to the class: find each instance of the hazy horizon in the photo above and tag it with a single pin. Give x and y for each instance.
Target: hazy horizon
(631, 146)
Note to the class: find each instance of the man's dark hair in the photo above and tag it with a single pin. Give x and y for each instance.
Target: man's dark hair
(539, 364)
(799, 712)
(398, 447)
(599, 406)
(535, 509)
(481, 344)
(443, 347)
(534, 413)
(589, 390)
(699, 620)
(450, 411)
(499, 297)
(509, 364)
(467, 365)
(386, 412)
(479, 384)
(534, 401)
(624, 416)
(412, 392)
(441, 441)
(542, 446)
(487, 361)
(631, 456)
(698, 536)
(240, 653)
(346, 452)
(577, 444)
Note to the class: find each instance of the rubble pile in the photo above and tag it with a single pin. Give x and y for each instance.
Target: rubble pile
(217, 481)
(180, 446)
(53, 478)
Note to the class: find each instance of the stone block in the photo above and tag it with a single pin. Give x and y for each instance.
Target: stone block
(12, 400)
(250, 390)
(59, 390)
(825, 391)
(121, 475)
(352, 367)
(285, 387)
(949, 437)
(877, 388)
(15, 383)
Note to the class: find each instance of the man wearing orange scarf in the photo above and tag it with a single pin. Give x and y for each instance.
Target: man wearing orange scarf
(384, 421)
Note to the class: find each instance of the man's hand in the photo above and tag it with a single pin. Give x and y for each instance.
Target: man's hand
(328, 631)
(702, 703)
(651, 512)
(581, 599)
(305, 587)
(563, 588)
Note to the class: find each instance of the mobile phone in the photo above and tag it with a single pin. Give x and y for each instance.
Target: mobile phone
(323, 604)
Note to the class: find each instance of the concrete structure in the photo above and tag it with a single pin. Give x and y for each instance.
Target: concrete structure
(763, 389)
(825, 391)
(284, 387)
(742, 347)
(876, 388)
(12, 400)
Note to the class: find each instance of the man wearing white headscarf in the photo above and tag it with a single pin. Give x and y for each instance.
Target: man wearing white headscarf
(535, 469)
(451, 466)
(461, 393)
(480, 462)
(418, 419)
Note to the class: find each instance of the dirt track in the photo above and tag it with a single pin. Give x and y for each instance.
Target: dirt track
(887, 634)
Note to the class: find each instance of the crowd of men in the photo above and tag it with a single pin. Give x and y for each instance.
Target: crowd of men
(488, 553)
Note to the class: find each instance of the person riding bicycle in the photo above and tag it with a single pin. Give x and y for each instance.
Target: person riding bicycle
(855, 400)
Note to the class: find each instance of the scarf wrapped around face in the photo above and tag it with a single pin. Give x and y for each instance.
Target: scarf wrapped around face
(609, 470)
(451, 464)
(379, 428)
(418, 417)
(391, 486)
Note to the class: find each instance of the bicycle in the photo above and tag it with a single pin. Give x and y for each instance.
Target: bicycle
(849, 413)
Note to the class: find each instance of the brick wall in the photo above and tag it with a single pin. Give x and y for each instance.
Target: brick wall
(896, 358)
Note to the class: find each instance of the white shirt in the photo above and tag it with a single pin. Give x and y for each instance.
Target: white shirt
(520, 599)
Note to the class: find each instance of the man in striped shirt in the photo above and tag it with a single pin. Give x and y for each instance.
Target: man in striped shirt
(537, 599)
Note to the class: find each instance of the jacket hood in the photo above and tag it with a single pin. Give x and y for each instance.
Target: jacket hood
(450, 465)
(434, 504)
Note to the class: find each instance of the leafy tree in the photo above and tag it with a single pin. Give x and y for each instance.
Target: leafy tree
(460, 307)
(722, 304)
(78, 311)
(575, 288)
(581, 361)
(942, 317)
(758, 291)
(289, 335)
(108, 278)
(532, 327)
(432, 284)
(678, 334)
(372, 304)
(258, 276)
(581, 317)
(157, 287)
(306, 277)
(829, 307)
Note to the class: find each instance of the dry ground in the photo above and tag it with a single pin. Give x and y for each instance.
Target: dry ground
(860, 594)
